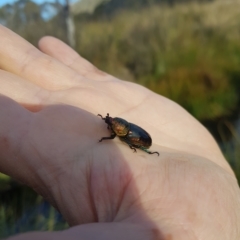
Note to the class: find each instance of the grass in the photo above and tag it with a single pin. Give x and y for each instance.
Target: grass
(22, 210)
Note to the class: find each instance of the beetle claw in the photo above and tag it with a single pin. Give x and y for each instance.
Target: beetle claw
(145, 150)
(154, 152)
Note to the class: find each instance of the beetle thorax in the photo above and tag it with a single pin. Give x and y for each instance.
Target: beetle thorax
(120, 126)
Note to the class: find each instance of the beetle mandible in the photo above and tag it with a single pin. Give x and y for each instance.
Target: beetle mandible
(133, 135)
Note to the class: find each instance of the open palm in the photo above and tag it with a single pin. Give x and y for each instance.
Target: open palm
(49, 140)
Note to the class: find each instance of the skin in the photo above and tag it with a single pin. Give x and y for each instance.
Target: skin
(49, 136)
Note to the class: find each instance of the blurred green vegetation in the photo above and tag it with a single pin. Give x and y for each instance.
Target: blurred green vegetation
(22, 210)
(230, 145)
(187, 52)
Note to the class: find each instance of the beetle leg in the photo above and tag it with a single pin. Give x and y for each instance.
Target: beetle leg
(101, 116)
(132, 147)
(113, 135)
(129, 144)
(153, 153)
(103, 119)
(145, 150)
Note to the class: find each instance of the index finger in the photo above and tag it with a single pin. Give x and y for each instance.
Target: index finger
(65, 54)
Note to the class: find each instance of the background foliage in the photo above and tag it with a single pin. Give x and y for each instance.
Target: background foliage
(188, 51)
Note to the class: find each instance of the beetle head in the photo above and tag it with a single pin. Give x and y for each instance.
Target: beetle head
(108, 120)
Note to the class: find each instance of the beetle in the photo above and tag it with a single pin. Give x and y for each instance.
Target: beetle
(133, 135)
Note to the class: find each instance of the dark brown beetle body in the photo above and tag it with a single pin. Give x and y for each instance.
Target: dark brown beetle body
(133, 135)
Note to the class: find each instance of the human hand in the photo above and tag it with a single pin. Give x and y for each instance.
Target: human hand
(49, 140)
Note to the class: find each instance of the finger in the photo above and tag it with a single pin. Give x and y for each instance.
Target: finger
(26, 93)
(21, 58)
(63, 53)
